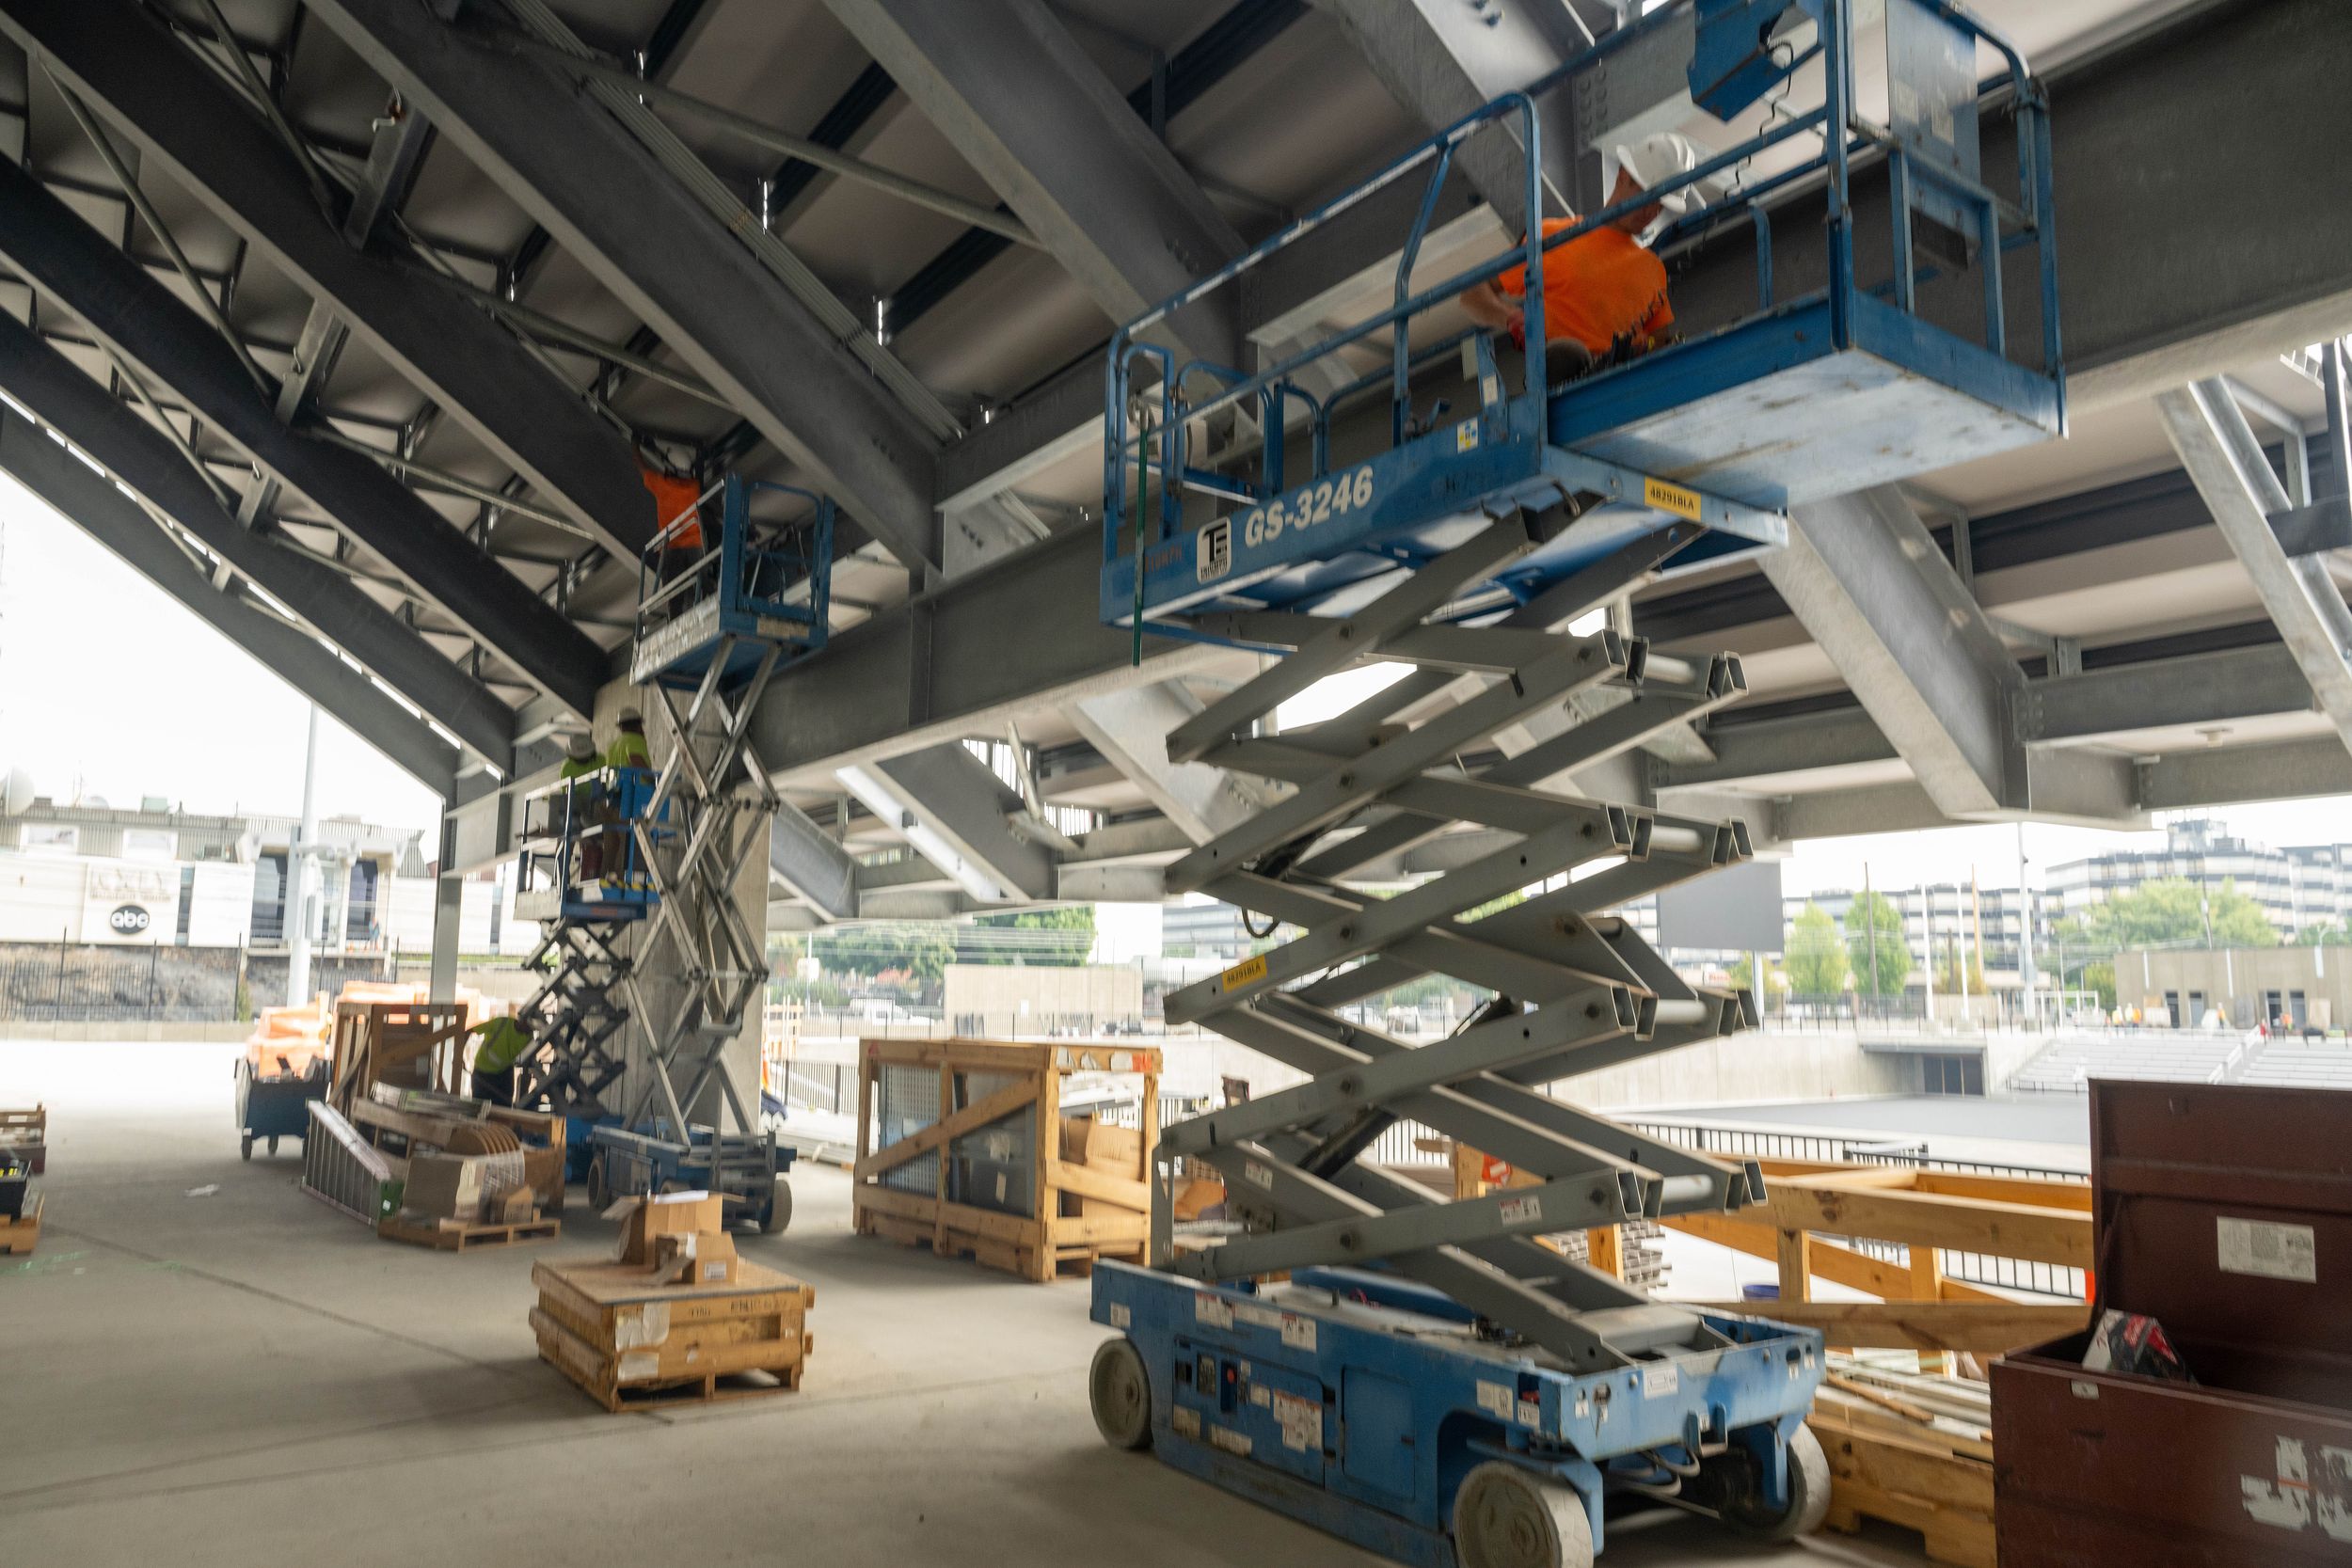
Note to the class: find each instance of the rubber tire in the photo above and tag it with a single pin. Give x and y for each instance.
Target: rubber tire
(1507, 1516)
(779, 1209)
(246, 1150)
(599, 1195)
(273, 1144)
(1808, 1495)
(1118, 1392)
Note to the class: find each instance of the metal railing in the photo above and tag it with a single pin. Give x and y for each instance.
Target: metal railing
(74, 984)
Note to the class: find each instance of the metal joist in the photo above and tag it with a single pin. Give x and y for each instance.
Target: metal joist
(811, 864)
(662, 250)
(2223, 459)
(145, 323)
(184, 120)
(955, 814)
(103, 510)
(1130, 729)
(1018, 98)
(144, 460)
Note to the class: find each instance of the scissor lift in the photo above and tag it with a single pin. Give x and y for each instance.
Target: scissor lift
(1428, 1380)
(713, 626)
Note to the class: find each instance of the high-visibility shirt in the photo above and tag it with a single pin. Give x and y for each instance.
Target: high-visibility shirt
(503, 1043)
(1598, 288)
(673, 498)
(628, 751)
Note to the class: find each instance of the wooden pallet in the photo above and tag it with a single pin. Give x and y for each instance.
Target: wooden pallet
(24, 1234)
(1090, 1180)
(1909, 1449)
(630, 1343)
(468, 1238)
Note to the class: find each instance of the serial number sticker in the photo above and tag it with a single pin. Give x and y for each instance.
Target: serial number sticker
(1671, 497)
(1122, 1314)
(1215, 550)
(1327, 498)
(1520, 1211)
(1301, 1421)
(1258, 1175)
(1495, 1400)
(1212, 1310)
(1465, 435)
(1299, 1333)
(1243, 974)
(1661, 1378)
(2268, 1251)
(1235, 1443)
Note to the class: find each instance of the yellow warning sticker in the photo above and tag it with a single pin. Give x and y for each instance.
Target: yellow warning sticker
(1671, 497)
(1243, 974)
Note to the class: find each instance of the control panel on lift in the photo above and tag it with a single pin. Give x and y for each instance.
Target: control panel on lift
(1850, 370)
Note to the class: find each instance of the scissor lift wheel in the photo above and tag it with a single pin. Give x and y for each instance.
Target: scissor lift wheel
(1509, 1517)
(1121, 1392)
(779, 1208)
(1808, 1496)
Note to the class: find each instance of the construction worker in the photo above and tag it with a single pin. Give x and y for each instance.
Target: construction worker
(580, 758)
(628, 748)
(678, 519)
(504, 1043)
(1604, 292)
(581, 763)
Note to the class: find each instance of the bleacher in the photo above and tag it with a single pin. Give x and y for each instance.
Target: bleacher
(2166, 1055)
(2297, 1064)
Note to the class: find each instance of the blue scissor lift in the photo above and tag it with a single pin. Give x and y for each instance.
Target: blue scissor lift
(661, 849)
(1427, 1380)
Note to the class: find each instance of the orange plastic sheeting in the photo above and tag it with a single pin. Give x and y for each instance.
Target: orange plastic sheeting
(296, 1037)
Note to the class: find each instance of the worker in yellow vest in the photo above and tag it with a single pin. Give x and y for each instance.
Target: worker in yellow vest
(504, 1043)
(628, 748)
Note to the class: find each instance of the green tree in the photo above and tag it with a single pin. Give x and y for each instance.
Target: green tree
(1816, 959)
(921, 947)
(1874, 924)
(2326, 934)
(2173, 911)
(1947, 975)
(1062, 938)
(2100, 979)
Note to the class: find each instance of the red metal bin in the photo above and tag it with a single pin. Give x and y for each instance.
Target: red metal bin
(2225, 1212)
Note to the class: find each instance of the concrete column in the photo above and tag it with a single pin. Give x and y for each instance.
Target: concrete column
(448, 900)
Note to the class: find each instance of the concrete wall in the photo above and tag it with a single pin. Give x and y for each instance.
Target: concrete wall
(1745, 1068)
(2235, 980)
(1040, 991)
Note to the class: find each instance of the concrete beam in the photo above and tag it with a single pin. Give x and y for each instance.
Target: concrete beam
(1866, 581)
(2226, 775)
(598, 189)
(183, 119)
(1026, 107)
(144, 324)
(807, 859)
(144, 460)
(103, 510)
(2225, 461)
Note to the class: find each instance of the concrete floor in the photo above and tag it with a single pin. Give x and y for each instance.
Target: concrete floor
(202, 1365)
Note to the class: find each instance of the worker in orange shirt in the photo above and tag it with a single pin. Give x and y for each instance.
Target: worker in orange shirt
(1604, 291)
(678, 519)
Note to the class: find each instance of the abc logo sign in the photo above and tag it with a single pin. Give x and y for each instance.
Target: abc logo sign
(128, 921)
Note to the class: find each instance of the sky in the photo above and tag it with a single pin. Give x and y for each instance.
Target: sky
(108, 682)
(108, 685)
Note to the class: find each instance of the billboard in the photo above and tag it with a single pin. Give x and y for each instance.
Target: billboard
(1736, 910)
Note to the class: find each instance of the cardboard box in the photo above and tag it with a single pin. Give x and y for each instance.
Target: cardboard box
(701, 1258)
(445, 1186)
(668, 1214)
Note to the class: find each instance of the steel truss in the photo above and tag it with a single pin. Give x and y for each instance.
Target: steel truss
(575, 1015)
(1578, 989)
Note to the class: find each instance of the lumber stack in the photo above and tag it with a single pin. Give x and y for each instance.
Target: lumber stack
(678, 1317)
(1911, 1449)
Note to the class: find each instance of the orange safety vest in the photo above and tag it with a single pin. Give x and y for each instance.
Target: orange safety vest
(674, 497)
(1598, 288)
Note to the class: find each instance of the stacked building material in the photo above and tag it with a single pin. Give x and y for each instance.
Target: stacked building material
(1913, 1449)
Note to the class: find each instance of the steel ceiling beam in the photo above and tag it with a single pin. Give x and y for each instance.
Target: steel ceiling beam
(185, 121)
(605, 198)
(811, 864)
(2218, 448)
(954, 811)
(146, 461)
(100, 510)
(1130, 729)
(145, 323)
(1023, 103)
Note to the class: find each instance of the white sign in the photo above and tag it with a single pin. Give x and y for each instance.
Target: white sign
(2268, 1251)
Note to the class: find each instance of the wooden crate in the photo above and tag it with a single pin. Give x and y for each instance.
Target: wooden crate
(1909, 1449)
(416, 1045)
(1090, 1180)
(1621, 1251)
(21, 1234)
(630, 1343)
(397, 1132)
(26, 1132)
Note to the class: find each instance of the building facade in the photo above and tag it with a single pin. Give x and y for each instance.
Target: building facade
(2298, 888)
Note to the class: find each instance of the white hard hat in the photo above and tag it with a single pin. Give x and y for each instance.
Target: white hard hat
(1657, 158)
(580, 748)
(628, 716)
